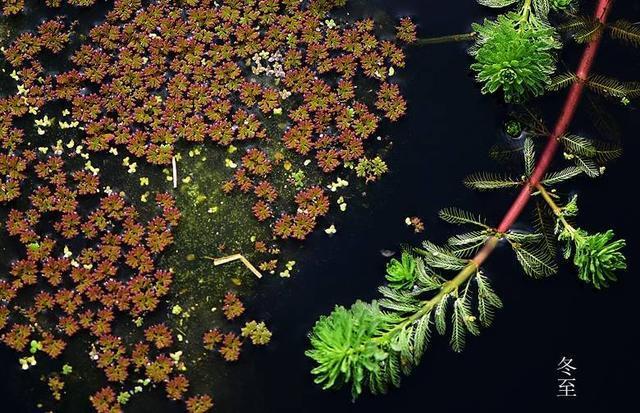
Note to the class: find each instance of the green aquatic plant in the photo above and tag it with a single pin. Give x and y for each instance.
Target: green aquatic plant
(515, 56)
(598, 256)
(371, 169)
(444, 289)
(346, 349)
(401, 273)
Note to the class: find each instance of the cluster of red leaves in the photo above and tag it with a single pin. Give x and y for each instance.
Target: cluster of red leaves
(177, 386)
(312, 203)
(159, 335)
(227, 344)
(256, 162)
(212, 338)
(146, 78)
(262, 210)
(391, 102)
(104, 401)
(95, 261)
(111, 357)
(417, 224)
(232, 306)
(199, 404)
(406, 31)
(157, 365)
(11, 7)
(178, 71)
(56, 385)
(114, 271)
(116, 241)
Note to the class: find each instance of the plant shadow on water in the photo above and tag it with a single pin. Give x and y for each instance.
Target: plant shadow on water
(447, 134)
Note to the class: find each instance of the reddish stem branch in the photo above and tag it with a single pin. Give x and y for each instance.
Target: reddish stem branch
(561, 127)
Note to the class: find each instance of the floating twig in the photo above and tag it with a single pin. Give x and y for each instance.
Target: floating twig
(235, 257)
(175, 172)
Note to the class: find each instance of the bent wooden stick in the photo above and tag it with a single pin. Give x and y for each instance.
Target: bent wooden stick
(236, 257)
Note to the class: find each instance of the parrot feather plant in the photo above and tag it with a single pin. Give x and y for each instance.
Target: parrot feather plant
(442, 289)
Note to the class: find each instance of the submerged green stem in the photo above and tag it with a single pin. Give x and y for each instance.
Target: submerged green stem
(453, 38)
(526, 11)
(557, 211)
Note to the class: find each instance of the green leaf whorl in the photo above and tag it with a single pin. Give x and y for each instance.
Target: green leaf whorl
(515, 56)
(598, 256)
(561, 4)
(401, 274)
(342, 346)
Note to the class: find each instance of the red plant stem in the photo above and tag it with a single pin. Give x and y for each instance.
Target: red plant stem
(561, 127)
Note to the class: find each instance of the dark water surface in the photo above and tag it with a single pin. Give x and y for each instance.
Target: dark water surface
(511, 367)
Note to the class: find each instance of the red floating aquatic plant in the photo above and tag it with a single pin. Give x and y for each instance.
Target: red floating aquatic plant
(230, 347)
(159, 335)
(211, 339)
(266, 191)
(104, 401)
(177, 386)
(148, 77)
(261, 210)
(232, 306)
(199, 404)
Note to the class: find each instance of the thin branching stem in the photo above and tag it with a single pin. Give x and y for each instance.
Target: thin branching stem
(447, 288)
(526, 12)
(557, 211)
(561, 127)
(453, 38)
(518, 205)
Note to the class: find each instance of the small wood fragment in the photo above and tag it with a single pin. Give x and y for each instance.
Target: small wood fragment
(174, 165)
(236, 257)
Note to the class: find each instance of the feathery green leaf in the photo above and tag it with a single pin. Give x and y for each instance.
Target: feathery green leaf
(541, 8)
(461, 217)
(625, 31)
(398, 306)
(440, 257)
(342, 346)
(496, 4)
(578, 145)
(607, 86)
(562, 81)
(561, 176)
(488, 300)
(588, 166)
(458, 329)
(463, 245)
(544, 224)
(583, 29)
(524, 237)
(421, 337)
(597, 256)
(535, 261)
(607, 151)
(632, 89)
(426, 277)
(440, 315)
(488, 180)
(501, 152)
(529, 152)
